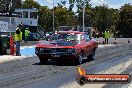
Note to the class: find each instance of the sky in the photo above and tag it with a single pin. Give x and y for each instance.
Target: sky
(116, 4)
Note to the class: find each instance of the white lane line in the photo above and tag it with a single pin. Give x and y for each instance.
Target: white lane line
(107, 45)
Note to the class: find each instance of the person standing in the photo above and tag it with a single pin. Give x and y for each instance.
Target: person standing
(106, 36)
(18, 40)
(26, 35)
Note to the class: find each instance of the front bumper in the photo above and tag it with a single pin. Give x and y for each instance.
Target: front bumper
(58, 56)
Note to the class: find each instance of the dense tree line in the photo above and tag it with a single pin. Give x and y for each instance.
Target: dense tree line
(99, 17)
(8, 5)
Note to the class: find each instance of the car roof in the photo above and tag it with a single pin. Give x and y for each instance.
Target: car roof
(68, 32)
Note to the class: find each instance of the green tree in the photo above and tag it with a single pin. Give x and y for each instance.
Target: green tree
(31, 4)
(2, 5)
(124, 22)
(63, 2)
(79, 5)
(45, 18)
(63, 16)
(16, 4)
(60, 14)
(6, 5)
(103, 17)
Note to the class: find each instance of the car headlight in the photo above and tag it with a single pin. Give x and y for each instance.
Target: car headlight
(39, 49)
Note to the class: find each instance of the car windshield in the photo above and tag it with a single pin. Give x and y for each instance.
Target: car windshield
(75, 37)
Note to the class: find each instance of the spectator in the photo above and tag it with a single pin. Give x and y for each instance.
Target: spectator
(18, 39)
(106, 36)
(26, 35)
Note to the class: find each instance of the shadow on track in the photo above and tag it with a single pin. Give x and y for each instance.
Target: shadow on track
(63, 63)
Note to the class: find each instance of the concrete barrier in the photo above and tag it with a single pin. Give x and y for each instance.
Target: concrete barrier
(118, 40)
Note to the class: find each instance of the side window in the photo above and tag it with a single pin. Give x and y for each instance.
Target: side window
(86, 37)
(33, 15)
(25, 14)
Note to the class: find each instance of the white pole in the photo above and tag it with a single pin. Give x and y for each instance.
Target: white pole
(83, 15)
(10, 17)
(53, 17)
(10, 26)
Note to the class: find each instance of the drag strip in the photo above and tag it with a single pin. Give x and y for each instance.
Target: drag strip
(28, 74)
(67, 78)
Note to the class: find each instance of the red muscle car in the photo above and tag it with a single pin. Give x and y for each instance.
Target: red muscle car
(67, 46)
